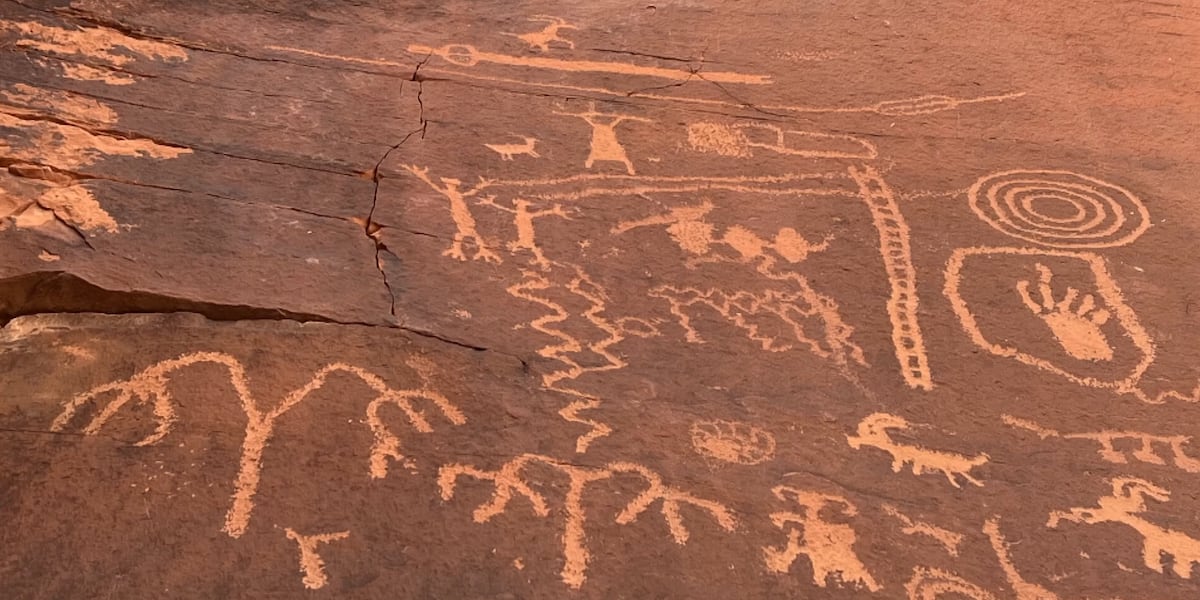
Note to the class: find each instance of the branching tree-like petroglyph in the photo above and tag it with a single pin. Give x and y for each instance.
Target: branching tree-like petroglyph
(1023, 589)
(949, 540)
(605, 147)
(460, 212)
(828, 546)
(542, 38)
(933, 584)
(1124, 506)
(732, 441)
(511, 479)
(1076, 327)
(1146, 450)
(873, 432)
(311, 563)
(151, 386)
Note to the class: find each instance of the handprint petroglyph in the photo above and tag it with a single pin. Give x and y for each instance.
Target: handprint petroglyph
(1076, 327)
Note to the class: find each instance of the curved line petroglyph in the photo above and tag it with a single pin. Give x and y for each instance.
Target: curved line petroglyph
(873, 432)
(1108, 439)
(509, 480)
(150, 386)
(1023, 589)
(949, 540)
(931, 584)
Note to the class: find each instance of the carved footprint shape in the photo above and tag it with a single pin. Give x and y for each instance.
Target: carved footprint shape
(1077, 328)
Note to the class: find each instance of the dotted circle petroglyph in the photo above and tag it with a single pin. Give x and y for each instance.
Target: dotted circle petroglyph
(1020, 204)
(732, 442)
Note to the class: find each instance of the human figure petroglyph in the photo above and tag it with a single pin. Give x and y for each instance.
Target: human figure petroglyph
(507, 151)
(460, 212)
(1124, 506)
(873, 431)
(510, 479)
(896, 251)
(828, 546)
(1023, 589)
(732, 441)
(150, 386)
(549, 34)
(605, 147)
(1077, 328)
(932, 584)
(949, 540)
(1146, 452)
(523, 222)
(311, 563)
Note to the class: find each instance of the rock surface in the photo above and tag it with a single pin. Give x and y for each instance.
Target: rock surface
(609, 300)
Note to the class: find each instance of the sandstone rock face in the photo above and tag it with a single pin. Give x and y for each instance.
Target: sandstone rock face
(604, 300)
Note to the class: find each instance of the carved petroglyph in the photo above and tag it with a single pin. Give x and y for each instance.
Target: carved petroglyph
(460, 213)
(1060, 209)
(1124, 506)
(828, 546)
(1146, 444)
(932, 584)
(510, 479)
(1023, 589)
(949, 540)
(310, 561)
(605, 147)
(740, 139)
(1077, 328)
(101, 44)
(542, 38)
(150, 386)
(507, 151)
(463, 55)
(873, 432)
(732, 441)
(1077, 334)
(896, 251)
(523, 222)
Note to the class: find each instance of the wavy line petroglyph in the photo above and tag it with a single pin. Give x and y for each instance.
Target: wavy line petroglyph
(732, 441)
(460, 213)
(1023, 589)
(1124, 506)
(828, 546)
(311, 563)
(580, 285)
(949, 540)
(896, 251)
(1146, 452)
(740, 139)
(1029, 205)
(932, 584)
(508, 151)
(150, 386)
(1085, 343)
(542, 38)
(873, 432)
(604, 145)
(510, 479)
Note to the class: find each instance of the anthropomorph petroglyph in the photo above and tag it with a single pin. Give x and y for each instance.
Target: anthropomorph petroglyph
(1124, 506)
(829, 546)
(605, 147)
(311, 563)
(1145, 450)
(523, 222)
(933, 584)
(948, 539)
(460, 213)
(1023, 589)
(508, 151)
(542, 38)
(1077, 328)
(512, 479)
(150, 386)
(896, 251)
(873, 432)
(732, 441)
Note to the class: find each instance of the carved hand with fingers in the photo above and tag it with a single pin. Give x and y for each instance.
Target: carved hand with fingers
(1076, 327)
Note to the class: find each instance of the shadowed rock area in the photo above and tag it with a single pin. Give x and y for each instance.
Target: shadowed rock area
(681, 299)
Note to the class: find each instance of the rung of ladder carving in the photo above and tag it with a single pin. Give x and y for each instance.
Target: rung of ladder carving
(897, 261)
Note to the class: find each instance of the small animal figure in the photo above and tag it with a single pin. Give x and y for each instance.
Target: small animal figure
(507, 151)
(873, 432)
